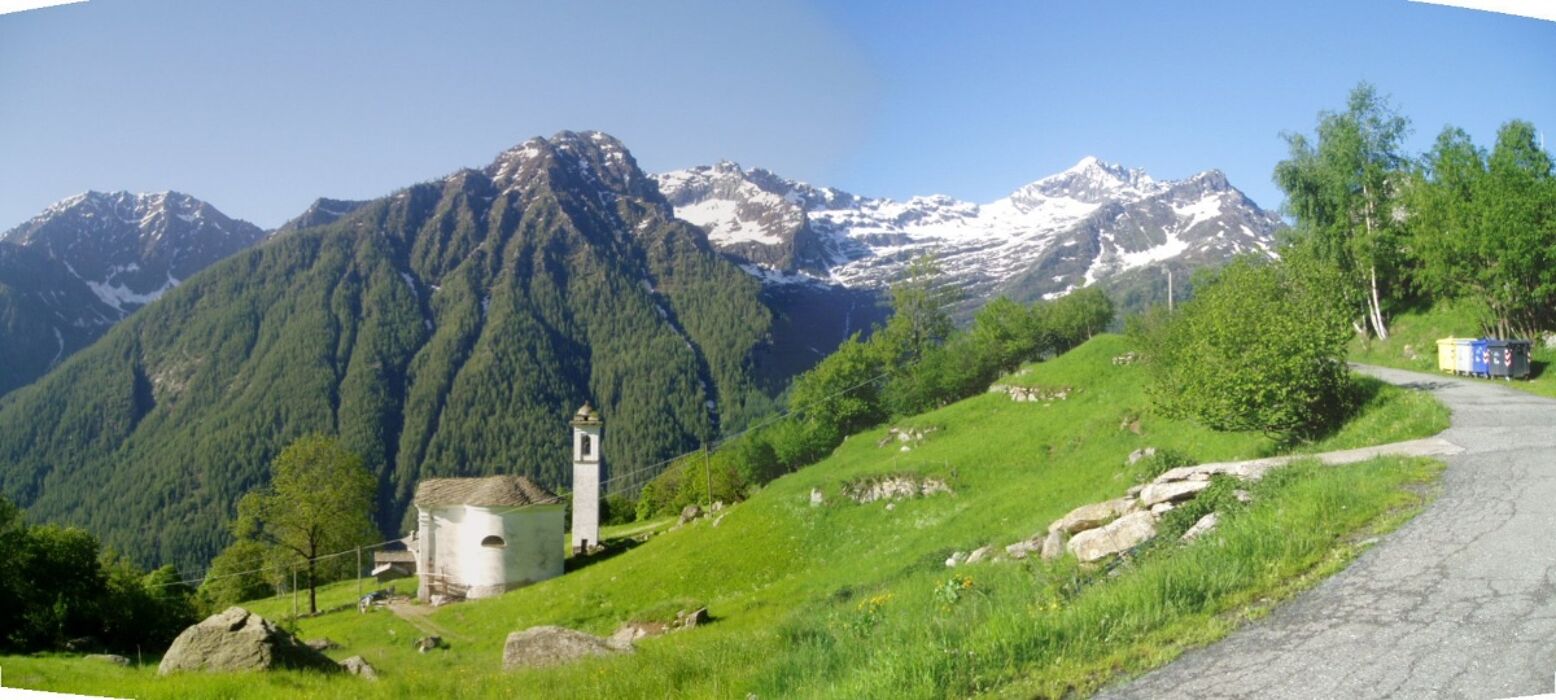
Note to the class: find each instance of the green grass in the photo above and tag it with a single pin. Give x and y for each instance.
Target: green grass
(1412, 344)
(847, 600)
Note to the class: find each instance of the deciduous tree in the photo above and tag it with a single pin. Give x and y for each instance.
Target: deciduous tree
(320, 501)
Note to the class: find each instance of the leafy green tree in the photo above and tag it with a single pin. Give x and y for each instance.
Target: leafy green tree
(1484, 226)
(320, 501)
(143, 609)
(921, 319)
(69, 605)
(1075, 317)
(842, 394)
(1261, 348)
(1006, 334)
(245, 570)
(14, 584)
(1344, 188)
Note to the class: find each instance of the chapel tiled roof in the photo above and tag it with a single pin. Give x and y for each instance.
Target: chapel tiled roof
(502, 490)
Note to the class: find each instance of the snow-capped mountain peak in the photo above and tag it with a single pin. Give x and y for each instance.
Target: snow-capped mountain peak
(1091, 222)
(130, 248)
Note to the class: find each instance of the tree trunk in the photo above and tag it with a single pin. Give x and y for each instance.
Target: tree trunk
(1377, 307)
(313, 591)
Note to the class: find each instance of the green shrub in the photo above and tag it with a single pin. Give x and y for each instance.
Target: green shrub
(1261, 348)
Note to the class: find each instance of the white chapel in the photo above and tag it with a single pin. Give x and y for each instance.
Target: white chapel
(480, 537)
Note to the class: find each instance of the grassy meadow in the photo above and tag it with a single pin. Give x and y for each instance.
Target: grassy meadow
(850, 600)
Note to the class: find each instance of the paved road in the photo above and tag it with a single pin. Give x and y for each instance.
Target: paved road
(1460, 602)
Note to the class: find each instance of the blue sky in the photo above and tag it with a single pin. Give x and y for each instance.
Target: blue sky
(258, 107)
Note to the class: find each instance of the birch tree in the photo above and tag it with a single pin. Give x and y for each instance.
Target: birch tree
(1343, 188)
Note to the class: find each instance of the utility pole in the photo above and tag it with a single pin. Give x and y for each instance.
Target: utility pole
(1169, 289)
(707, 469)
(359, 572)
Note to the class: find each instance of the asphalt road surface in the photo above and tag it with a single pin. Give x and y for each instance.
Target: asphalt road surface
(1460, 602)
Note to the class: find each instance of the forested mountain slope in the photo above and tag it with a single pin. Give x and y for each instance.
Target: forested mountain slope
(447, 329)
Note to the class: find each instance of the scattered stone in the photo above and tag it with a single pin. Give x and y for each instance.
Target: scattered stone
(906, 448)
(426, 644)
(627, 635)
(321, 644)
(1201, 526)
(1131, 424)
(891, 505)
(1020, 550)
(1037, 393)
(904, 435)
(1161, 509)
(238, 640)
(689, 513)
(1134, 491)
(893, 488)
(114, 659)
(817, 498)
(955, 559)
(358, 666)
(1053, 546)
(687, 620)
(1117, 536)
(1251, 470)
(1171, 492)
(980, 554)
(1142, 453)
(1127, 358)
(1092, 515)
(716, 507)
(1242, 496)
(719, 519)
(548, 645)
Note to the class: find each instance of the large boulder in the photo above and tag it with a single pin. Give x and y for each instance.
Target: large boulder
(1115, 537)
(358, 666)
(238, 640)
(1092, 515)
(1171, 492)
(549, 645)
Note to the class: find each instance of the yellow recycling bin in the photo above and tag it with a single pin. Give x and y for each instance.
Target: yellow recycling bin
(1447, 354)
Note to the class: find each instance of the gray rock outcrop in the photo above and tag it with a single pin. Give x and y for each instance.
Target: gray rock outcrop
(1171, 491)
(1093, 515)
(1201, 527)
(549, 645)
(1115, 537)
(238, 640)
(358, 666)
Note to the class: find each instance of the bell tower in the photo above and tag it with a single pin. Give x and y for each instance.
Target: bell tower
(587, 462)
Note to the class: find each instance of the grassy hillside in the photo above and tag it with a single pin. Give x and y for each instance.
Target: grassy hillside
(848, 600)
(1412, 344)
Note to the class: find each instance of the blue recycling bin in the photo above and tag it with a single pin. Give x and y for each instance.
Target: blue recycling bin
(1479, 357)
(1507, 358)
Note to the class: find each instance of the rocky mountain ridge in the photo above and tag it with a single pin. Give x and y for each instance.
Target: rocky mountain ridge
(1091, 223)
